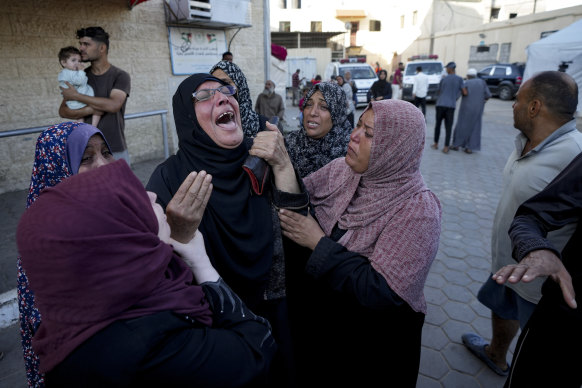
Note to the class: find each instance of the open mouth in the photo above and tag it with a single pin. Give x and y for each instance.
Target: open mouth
(225, 118)
(312, 124)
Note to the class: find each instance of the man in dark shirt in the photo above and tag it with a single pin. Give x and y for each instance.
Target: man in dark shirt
(295, 86)
(450, 89)
(111, 86)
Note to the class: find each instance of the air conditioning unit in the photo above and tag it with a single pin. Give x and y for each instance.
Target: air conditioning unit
(210, 13)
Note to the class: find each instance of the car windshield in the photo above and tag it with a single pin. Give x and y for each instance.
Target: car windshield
(427, 68)
(363, 72)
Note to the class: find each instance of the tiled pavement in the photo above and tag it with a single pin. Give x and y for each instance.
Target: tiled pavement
(468, 187)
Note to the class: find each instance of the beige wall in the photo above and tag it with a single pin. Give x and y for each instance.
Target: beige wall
(520, 32)
(32, 32)
(321, 55)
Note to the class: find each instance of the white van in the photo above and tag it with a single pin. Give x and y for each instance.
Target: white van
(435, 71)
(362, 73)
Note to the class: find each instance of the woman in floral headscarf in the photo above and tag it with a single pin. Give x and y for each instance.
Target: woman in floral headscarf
(62, 150)
(371, 246)
(325, 130)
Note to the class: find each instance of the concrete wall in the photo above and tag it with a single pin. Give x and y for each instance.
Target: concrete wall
(519, 32)
(32, 32)
(321, 55)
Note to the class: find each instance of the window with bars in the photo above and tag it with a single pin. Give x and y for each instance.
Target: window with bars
(284, 26)
(375, 25)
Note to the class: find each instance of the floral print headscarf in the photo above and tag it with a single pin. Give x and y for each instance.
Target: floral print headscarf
(50, 168)
(309, 155)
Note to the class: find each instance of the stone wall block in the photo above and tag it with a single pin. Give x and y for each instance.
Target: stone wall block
(5, 28)
(152, 66)
(127, 49)
(8, 68)
(44, 110)
(15, 89)
(41, 26)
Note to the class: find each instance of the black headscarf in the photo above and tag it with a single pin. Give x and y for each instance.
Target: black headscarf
(252, 122)
(381, 87)
(236, 225)
(309, 154)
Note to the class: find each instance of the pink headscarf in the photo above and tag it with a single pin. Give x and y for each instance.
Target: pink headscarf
(390, 215)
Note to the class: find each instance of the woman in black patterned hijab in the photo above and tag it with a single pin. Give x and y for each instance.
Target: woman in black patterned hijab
(325, 131)
(252, 122)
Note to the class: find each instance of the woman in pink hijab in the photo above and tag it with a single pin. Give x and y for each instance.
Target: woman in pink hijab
(357, 296)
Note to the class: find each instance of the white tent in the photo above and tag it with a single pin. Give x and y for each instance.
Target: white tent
(561, 47)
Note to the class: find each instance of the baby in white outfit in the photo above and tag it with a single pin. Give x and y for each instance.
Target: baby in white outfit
(73, 73)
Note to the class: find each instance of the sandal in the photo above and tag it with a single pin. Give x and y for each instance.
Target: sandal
(446, 150)
(468, 151)
(434, 146)
(476, 344)
(454, 148)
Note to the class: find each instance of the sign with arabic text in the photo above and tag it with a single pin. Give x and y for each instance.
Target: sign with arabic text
(195, 50)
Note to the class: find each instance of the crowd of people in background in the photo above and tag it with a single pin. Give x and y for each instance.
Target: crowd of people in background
(261, 257)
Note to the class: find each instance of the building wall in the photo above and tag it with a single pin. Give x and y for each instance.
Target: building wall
(32, 32)
(321, 55)
(520, 32)
(409, 27)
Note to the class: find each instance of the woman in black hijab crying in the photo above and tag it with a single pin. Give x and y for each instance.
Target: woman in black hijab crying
(252, 122)
(204, 186)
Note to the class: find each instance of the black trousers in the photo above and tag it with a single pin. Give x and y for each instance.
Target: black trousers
(448, 114)
(548, 353)
(420, 102)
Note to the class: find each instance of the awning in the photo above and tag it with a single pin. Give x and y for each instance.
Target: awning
(350, 14)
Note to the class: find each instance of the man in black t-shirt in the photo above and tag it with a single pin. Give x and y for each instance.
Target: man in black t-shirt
(111, 85)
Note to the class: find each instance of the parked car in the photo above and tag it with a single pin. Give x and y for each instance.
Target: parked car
(503, 79)
(362, 73)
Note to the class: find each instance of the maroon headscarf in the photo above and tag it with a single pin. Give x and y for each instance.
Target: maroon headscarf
(92, 255)
(390, 215)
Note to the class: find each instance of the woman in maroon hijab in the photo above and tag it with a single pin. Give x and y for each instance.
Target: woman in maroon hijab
(370, 247)
(120, 306)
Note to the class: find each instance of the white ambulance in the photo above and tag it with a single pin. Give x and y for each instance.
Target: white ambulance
(431, 67)
(362, 73)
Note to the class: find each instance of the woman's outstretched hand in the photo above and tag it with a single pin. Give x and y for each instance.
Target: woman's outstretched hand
(184, 212)
(304, 230)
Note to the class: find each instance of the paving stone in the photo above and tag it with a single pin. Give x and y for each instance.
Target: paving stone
(459, 380)
(434, 295)
(458, 265)
(435, 280)
(436, 315)
(434, 337)
(433, 364)
(457, 278)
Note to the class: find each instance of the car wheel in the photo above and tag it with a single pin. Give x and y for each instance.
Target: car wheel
(505, 93)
